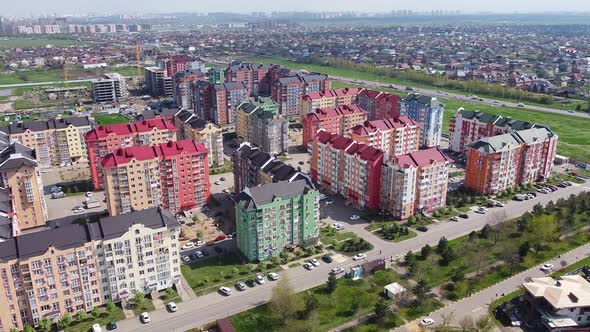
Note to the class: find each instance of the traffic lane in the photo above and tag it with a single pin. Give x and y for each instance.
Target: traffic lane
(227, 246)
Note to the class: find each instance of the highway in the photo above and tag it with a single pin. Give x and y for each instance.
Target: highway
(208, 308)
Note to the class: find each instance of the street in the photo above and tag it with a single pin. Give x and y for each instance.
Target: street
(213, 306)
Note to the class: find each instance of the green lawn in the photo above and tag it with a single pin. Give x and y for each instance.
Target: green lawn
(32, 76)
(170, 295)
(333, 310)
(227, 167)
(126, 71)
(38, 42)
(108, 119)
(146, 305)
(346, 243)
(330, 236)
(105, 317)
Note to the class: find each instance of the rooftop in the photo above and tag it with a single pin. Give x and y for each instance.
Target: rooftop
(566, 292)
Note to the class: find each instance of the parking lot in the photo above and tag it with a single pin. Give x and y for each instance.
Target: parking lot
(63, 207)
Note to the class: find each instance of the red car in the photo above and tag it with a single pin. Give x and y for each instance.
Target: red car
(220, 238)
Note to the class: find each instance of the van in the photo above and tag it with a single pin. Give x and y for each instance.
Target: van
(520, 197)
(91, 204)
(96, 328)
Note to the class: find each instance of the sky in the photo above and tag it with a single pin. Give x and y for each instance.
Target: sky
(63, 7)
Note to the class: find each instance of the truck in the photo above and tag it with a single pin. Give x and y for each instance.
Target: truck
(91, 204)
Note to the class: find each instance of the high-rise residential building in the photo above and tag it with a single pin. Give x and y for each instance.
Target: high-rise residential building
(379, 105)
(259, 123)
(55, 141)
(157, 82)
(429, 113)
(288, 93)
(498, 163)
(109, 89)
(203, 94)
(225, 100)
(176, 63)
(21, 180)
(276, 216)
(182, 82)
(414, 183)
(468, 127)
(343, 166)
(75, 267)
(336, 120)
(393, 136)
(216, 75)
(331, 98)
(255, 77)
(103, 140)
(158, 113)
(208, 134)
(253, 167)
(174, 175)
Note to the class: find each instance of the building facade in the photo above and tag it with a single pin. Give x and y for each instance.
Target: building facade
(337, 120)
(203, 132)
(103, 140)
(255, 77)
(414, 183)
(157, 82)
(497, 163)
(259, 123)
(331, 98)
(55, 271)
(429, 113)
(109, 89)
(276, 216)
(173, 175)
(288, 91)
(225, 100)
(379, 105)
(393, 136)
(55, 141)
(182, 82)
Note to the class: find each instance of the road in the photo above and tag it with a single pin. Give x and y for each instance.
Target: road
(210, 307)
(42, 83)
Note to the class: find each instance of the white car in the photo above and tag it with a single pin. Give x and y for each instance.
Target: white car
(481, 210)
(329, 202)
(273, 276)
(358, 257)
(427, 321)
(308, 266)
(354, 217)
(188, 245)
(199, 254)
(96, 328)
(260, 279)
(199, 243)
(89, 194)
(499, 204)
(546, 267)
(225, 291)
(314, 262)
(336, 270)
(172, 306)
(47, 170)
(455, 218)
(186, 259)
(145, 317)
(56, 189)
(78, 209)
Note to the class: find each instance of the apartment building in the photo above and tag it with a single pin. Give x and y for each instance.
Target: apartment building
(177, 63)
(157, 82)
(78, 267)
(253, 167)
(414, 183)
(55, 141)
(21, 181)
(429, 113)
(203, 132)
(158, 113)
(174, 175)
(203, 99)
(468, 127)
(379, 105)
(337, 120)
(288, 91)
(255, 77)
(343, 166)
(393, 136)
(103, 140)
(331, 98)
(276, 216)
(558, 304)
(111, 88)
(497, 163)
(225, 99)
(182, 82)
(259, 123)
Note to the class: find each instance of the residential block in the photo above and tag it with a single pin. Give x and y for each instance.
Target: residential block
(204, 132)
(336, 120)
(379, 105)
(393, 136)
(429, 113)
(259, 123)
(330, 98)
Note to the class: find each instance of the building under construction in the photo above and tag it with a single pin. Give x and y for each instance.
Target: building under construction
(109, 89)
(157, 82)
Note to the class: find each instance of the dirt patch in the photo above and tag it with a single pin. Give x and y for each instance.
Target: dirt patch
(197, 226)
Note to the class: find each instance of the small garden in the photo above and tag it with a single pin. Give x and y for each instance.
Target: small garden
(227, 167)
(82, 321)
(347, 243)
(395, 232)
(139, 303)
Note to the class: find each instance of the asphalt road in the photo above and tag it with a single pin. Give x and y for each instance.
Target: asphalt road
(213, 306)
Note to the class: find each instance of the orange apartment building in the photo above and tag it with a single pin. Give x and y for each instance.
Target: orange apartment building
(336, 120)
(393, 136)
(331, 98)
(498, 163)
(103, 140)
(173, 175)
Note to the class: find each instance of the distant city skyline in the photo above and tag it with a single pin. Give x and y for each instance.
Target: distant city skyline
(71, 7)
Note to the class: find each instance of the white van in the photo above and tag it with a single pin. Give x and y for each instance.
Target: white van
(96, 328)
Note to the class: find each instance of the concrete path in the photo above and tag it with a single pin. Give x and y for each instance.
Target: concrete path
(184, 290)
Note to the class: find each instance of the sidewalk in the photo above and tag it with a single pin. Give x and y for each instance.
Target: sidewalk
(184, 290)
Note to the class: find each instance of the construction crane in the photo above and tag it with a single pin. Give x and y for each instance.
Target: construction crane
(172, 71)
(138, 59)
(66, 79)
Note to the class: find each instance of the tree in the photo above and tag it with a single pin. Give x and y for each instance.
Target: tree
(442, 245)
(284, 302)
(331, 283)
(467, 324)
(409, 257)
(425, 251)
(447, 317)
(110, 307)
(199, 234)
(310, 304)
(485, 324)
(355, 305)
(381, 309)
(458, 275)
(524, 249)
(81, 315)
(421, 289)
(486, 231)
(542, 229)
(45, 324)
(29, 328)
(65, 320)
(138, 298)
(447, 257)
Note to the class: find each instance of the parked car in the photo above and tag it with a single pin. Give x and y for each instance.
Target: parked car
(308, 266)
(354, 217)
(188, 245)
(218, 249)
(220, 238)
(58, 195)
(78, 209)
(422, 229)
(225, 291)
(273, 276)
(145, 317)
(358, 257)
(327, 258)
(251, 283)
(46, 170)
(222, 178)
(240, 286)
(193, 256)
(199, 243)
(328, 202)
(172, 306)
(547, 267)
(455, 218)
(205, 252)
(568, 183)
(464, 216)
(260, 279)
(427, 321)
(315, 262)
(520, 105)
(199, 254)
(112, 325)
(336, 270)
(186, 259)
(481, 210)
(56, 189)
(217, 183)
(96, 328)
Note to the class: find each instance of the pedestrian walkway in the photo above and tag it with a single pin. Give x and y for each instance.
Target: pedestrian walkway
(184, 290)
(128, 313)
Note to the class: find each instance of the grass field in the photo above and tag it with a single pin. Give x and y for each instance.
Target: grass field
(126, 71)
(38, 42)
(104, 318)
(108, 119)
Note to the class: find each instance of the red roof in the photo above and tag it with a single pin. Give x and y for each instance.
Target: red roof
(340, 111)
(383, 125)
(148, 125)
(421, 158)
(364, 151)
(127, 129)
(161, 151)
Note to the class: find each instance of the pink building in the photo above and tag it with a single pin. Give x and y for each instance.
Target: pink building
(393, 136)
(335, 120)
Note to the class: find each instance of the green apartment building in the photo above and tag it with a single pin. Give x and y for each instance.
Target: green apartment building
(274, 216)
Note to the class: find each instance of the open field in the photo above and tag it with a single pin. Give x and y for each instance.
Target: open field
(37, 42)
(108, 119)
